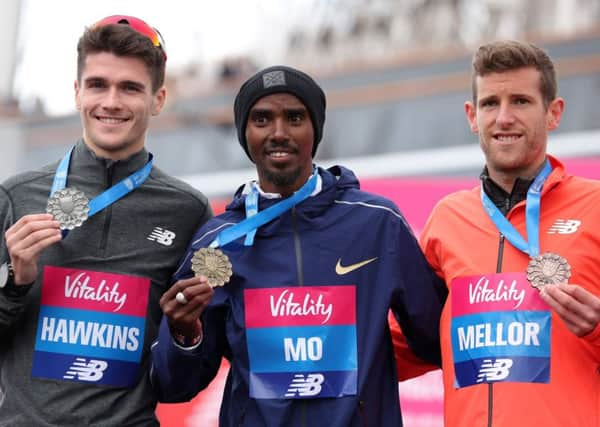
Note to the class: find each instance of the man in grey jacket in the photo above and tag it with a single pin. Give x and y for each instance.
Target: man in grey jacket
(80, 284)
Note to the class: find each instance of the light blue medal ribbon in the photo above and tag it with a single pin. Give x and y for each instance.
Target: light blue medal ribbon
(251, 210)
(109, 196)
(532, 216)
(256, 219)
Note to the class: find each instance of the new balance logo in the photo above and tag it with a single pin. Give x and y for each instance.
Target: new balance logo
(162, 236)
(496, 370)
(83, 370)
(305, 386)
(564, 226)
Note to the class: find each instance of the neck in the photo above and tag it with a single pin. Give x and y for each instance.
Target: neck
(506, 179)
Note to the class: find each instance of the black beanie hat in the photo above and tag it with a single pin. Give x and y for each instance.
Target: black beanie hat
(277, 79)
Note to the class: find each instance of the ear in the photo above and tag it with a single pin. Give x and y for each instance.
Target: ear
(554, 113)
(471, 112)
(77, 99)
(160, 98)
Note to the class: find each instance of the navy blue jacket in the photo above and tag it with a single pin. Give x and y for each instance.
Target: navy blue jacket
(341, 225)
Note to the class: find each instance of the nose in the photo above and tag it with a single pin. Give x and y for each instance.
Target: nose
(111, 99)
(280, 129)
(505, 115)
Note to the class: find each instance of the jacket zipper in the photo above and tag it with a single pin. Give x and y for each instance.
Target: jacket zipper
(107, 210)
(300, 270)
(297, 248)
(498, 270)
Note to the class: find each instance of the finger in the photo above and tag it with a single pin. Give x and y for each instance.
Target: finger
(578, 317)
(582, 295)
(29, 231)
(32, 222)
(35, 242)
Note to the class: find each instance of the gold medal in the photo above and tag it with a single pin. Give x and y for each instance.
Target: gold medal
(213, 264)
(69, 207)
(548, 269)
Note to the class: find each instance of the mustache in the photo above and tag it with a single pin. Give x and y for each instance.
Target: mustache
(283, 145)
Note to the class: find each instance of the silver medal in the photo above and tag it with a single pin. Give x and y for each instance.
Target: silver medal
(69, 207)
(548, 269)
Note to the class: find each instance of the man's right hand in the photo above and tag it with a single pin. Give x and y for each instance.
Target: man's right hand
(25, 241)
(183, 318)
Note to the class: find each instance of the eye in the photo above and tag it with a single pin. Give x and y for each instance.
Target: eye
(95, 84)
(488, 103)
(295, 116)
(259, 118)
(521, 101)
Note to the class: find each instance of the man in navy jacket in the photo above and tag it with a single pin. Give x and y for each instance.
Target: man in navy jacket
(311, 265)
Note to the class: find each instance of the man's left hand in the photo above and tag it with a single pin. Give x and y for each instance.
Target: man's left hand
(577, 307)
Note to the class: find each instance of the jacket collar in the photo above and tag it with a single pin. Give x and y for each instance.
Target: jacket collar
(506, 201)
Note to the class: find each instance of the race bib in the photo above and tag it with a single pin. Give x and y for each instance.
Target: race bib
(500, 330)
(301, 342)
(90, 327)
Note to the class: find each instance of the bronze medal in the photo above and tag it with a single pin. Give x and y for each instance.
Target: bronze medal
(548, 269)
(69, 207)
(213, 264)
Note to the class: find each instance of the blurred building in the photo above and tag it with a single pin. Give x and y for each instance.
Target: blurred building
(396, 76)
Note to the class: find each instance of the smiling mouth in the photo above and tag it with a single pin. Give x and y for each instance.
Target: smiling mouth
(111, 120)
(279, 154)
(507, 138)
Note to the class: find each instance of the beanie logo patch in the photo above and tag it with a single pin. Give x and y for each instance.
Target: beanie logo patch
(274, 78)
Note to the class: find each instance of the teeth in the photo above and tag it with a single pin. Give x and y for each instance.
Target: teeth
(278, 154)
(507, 137)
(111, 120)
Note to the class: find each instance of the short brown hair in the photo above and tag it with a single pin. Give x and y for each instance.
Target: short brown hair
(507, 55)
(122, 40)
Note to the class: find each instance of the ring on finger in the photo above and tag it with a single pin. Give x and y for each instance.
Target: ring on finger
(181, 299)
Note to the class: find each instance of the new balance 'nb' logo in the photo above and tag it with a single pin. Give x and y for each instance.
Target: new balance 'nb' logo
(305, 386)
(162, 236)
(83, 370)
(494, 370)
(564, 226)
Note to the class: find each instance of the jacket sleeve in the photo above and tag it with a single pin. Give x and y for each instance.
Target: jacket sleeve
(420, 299)
(10, 308)
(408, 365)
(178, 374)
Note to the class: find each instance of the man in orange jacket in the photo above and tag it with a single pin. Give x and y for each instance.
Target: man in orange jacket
(520, 330)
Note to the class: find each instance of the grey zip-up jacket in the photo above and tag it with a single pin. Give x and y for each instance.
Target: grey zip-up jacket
(141, 236)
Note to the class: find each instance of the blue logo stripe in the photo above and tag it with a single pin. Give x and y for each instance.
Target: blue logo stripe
(501, 334)
(286, 385)
(522, 369)
(302, 348)
(89, 333)
(88, 370)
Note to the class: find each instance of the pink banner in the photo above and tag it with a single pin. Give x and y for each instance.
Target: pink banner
(94, 290)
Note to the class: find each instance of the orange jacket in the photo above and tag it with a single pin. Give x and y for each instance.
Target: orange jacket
(460, 240)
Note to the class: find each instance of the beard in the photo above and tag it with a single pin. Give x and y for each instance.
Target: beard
(282, 179)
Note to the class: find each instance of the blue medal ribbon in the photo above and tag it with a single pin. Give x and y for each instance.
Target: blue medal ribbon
(255, 219)
(532, 216)
(109, 196)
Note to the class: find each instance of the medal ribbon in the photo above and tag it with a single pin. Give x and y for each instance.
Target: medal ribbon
(109, 196)
(251, 223)
(532, 216)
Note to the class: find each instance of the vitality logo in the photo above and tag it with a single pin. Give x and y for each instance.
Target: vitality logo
(84, 370)
(305, 386)
(494, 370)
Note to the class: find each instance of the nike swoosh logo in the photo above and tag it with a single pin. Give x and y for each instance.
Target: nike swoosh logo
(341, 269)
